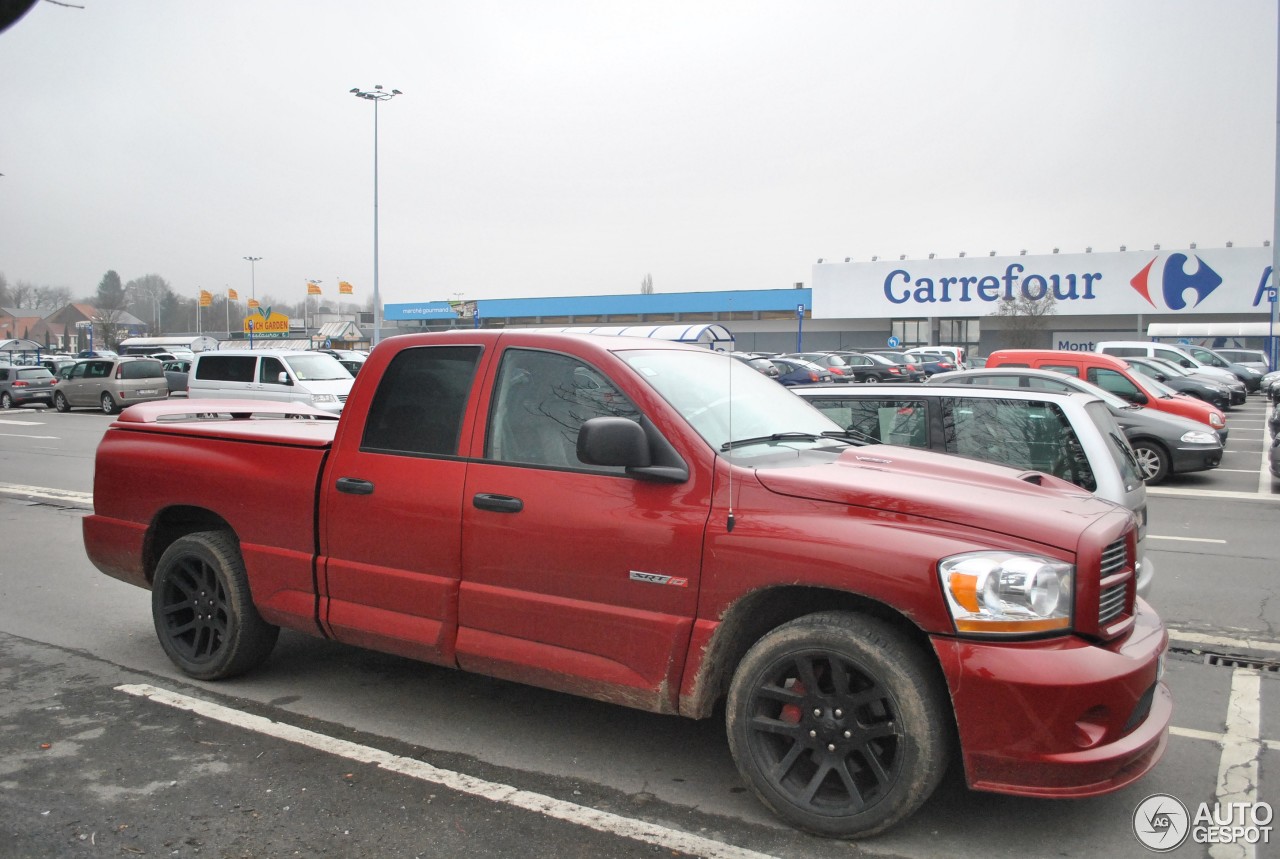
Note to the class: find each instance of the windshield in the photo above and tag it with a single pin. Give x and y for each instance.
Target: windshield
(724, 399)
(1117, 445)
(317, 368)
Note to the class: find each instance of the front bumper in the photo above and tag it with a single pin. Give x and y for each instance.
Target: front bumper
(1060, 717)
(1195, 457)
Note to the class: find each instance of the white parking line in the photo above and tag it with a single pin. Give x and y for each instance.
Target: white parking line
(46, 493)
(21, 423)
(1238, 766)
(580, 815)
(25, 435)
(1186, 539)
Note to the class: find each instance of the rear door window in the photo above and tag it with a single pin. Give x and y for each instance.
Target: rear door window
(421, 401)
(226, 368)
(141, 370)
(1022, 434)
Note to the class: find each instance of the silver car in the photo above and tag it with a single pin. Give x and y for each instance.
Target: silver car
(110, 384)
(1071, 436)
(22, 385)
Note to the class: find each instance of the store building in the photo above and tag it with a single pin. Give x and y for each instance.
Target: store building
(864, 305)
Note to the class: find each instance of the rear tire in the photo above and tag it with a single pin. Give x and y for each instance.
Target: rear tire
(6, 401)
(839, 723)
(203, 611)
(872, 380)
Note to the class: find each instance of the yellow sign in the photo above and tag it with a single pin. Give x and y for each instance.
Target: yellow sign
(253, 303)
(206, 298)
(266, 321)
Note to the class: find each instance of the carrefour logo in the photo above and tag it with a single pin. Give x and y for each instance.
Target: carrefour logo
(1174, 281)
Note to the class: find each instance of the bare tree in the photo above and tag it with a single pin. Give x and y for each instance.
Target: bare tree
(22, 294)
(1026, 320)
(646, 285)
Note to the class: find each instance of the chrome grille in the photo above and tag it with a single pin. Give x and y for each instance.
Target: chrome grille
(1114, 558)
(1111, 603)
(1111, 600)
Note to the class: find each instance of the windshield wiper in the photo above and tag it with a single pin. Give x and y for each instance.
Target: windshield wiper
(850, 437)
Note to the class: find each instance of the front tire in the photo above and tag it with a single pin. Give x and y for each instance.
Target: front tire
(1153, 461)
(871, 380)
(60, 402)
(6, 401)
(108, 404)
(839, 723)
(203, 612)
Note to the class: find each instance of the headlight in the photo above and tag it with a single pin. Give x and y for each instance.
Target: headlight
(323, 398)
(1198, 437)
(1217, 420)
(1003, 593)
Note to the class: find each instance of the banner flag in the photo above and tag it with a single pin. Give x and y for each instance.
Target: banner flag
(232, 295)
(313, 288)
(206, 298)
(253, 302)
(345, 288)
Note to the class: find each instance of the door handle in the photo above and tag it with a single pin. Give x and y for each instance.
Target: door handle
(354, 486)
(497, 503)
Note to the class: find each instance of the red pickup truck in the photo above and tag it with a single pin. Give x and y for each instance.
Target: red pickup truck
(660, 526)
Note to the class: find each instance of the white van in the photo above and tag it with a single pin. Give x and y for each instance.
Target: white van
(312, 378)
(1167, 351)
(955, 353)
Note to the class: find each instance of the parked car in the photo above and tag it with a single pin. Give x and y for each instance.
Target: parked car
(933, 363)
(176, 373)
(1071, 436)
(20, 386)
(797, 371)
(1169, 352)
(110, 384)
(55, 364)
(1164, 444)
(1114, 375)
(1271, 385)
(907, 364)
(1250, 377)
(1254, 359)
(1183, 382)
(284, 375)
(348, 358)
(832, 362)
(871, 368)
(759, 363)
(957, 354)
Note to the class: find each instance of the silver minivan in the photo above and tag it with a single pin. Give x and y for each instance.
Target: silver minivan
(109, 384)
(282, 375)
(1072, 436)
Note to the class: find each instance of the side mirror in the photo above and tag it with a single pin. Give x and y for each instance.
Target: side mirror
(283, 379)
(613, 441)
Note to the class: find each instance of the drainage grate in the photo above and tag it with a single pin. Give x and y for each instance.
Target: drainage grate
(1223, 661)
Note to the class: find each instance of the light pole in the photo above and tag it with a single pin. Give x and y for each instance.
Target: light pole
(375, 95)
(253, 285)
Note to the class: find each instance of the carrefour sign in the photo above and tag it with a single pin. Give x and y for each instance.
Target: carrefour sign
(1216, 280)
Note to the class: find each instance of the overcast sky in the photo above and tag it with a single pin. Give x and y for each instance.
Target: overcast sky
(559, 148)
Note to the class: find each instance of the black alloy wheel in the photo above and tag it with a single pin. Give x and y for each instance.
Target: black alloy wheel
(839, 724)
(203, 611)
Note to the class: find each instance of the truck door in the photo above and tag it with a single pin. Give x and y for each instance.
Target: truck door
(389, 531)
(575, 577)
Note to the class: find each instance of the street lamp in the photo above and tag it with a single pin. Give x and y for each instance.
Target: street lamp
(375, 95)
(253, 286)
